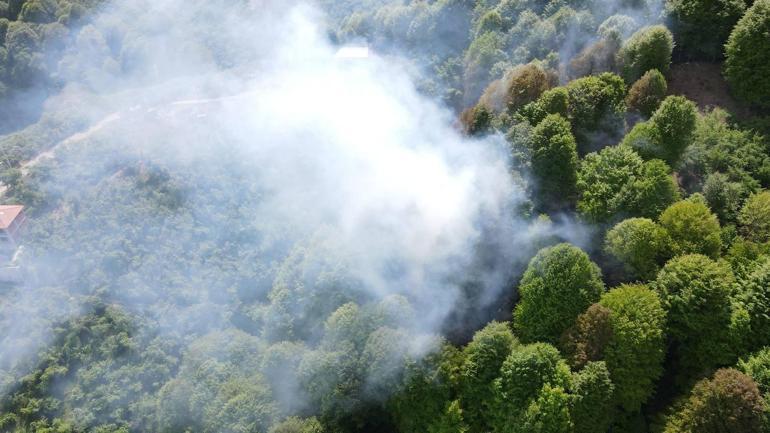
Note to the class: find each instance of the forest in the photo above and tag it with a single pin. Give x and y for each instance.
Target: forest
(506, 216)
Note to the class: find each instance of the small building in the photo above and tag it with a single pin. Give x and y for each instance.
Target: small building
(12, 221)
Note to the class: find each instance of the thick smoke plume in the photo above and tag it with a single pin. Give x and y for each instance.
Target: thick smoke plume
(337, 164)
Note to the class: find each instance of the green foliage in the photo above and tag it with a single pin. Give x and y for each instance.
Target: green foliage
(668, 132)
(640, 245)
(723, 196)
(616, 182)
(423, 403)
(742, 156)
(748, 56)
(586, 340)
(549, 413)
(646, 94)
(554, 162)
(696, 293)
(757, 366)
(692, 228)
(477, 120)
(593, 406)
(522, 392)
(728, 402)
(297, 425)
(518, 87)
(648, 48)
(755, 294)
(754, 218)
(559, 284)
(702, 27)
(483, 358)
(634, 355)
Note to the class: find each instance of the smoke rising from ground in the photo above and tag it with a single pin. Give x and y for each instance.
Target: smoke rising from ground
(272, 152)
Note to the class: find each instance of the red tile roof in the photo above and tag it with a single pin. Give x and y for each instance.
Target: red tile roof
(8, 213)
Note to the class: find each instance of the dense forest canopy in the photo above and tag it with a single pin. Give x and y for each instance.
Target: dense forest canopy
(493, 216)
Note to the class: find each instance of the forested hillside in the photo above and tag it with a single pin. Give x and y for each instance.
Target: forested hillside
(493, 216)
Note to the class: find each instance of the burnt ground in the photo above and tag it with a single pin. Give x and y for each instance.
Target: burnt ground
(703, 84)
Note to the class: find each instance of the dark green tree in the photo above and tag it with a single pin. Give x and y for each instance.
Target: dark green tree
(554, 162)
(634, 355)
(648, 48)
(693, 229)
(646, 94)
(640, 244)
(748, 56)
(559, 284)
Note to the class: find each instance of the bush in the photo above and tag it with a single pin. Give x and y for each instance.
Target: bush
(728, 402)
(702, 27)
(696, 294)
(648, 48)
(754, 218)
(693, 229)
(647, 93)
(748, 56)
(634, 355)
(640, 245)
(559, 284)
(554, 163)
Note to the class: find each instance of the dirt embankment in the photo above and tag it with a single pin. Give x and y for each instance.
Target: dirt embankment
(704, 84)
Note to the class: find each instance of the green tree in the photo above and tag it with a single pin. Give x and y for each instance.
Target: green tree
(297, 425)
(728, 402)
(755, 294)
(586, 340)
(640, 245)
(668, 132)
(646, 94)
(559, 284)
(523, 376)
(549, 413)
(696, 293)
(634, 355)
(616, 182)
(757, 366)
(748, 56)
(693, 229)
(484, 356)
(648, 48)
(554, 162)
(691, 18)
(593, 403)
(754, 218)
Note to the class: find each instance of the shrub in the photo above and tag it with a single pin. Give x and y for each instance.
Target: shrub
(559, 284)
(647, 93)
(648, 48)
(748, 55)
